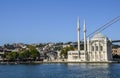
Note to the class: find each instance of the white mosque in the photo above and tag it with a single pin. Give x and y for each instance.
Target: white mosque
(96, 49)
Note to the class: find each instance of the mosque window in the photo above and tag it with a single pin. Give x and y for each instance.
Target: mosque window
(92, 48)
(101, 48)
(96, 48)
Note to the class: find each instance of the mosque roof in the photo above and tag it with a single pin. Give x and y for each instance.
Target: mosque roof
(98, 35)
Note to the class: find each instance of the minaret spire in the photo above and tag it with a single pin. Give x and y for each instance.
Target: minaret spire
(78, 29)
(85, 48)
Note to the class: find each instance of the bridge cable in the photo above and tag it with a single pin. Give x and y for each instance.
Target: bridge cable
(105, 26)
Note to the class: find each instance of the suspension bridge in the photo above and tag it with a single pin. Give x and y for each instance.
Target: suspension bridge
(105, 26)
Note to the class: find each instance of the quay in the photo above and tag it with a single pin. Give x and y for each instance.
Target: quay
(51, 62)
(79, 62)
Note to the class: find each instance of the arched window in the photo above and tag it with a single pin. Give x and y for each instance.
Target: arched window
(101, 48)
(92, 48)
(96, 48)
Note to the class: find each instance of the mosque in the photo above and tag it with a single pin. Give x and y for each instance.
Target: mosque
(96, 49)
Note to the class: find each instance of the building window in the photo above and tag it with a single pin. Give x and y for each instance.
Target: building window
(74, 53)
(92, 48)
(81, 53)
(96, 48)
(75, 57)
(101, 48)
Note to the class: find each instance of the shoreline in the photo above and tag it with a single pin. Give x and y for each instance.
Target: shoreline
(59, 62)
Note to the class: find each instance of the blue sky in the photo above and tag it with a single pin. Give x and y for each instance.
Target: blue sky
(35, 21)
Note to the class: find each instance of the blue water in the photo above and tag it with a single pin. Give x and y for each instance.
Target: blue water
(69, 70)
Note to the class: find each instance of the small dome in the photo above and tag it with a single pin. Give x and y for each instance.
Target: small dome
(98, 36)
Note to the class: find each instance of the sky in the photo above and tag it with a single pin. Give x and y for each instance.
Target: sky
(39, 21)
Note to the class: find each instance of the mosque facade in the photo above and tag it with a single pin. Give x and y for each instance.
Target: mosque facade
(96, 49)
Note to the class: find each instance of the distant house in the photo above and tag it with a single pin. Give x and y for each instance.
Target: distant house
(116, 51)
(2, 52)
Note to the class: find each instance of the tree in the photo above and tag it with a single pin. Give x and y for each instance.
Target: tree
(12, 56)
(64, 51)
(34, 54)
(115, 46)
(57, 48)
(116, 56)
(24, 55)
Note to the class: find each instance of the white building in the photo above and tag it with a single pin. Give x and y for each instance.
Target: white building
(96, 49)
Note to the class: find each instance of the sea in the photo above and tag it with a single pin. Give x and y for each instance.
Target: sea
(60, 70)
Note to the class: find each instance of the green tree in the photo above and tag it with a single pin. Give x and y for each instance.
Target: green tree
(34, 54)
(12, 56)
(27, 53)
(24, 55)
(64, 51)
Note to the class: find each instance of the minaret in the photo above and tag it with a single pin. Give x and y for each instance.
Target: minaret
(78, 30)
(85, 48)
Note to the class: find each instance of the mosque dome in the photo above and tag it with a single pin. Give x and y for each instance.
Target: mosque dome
(98, 36)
